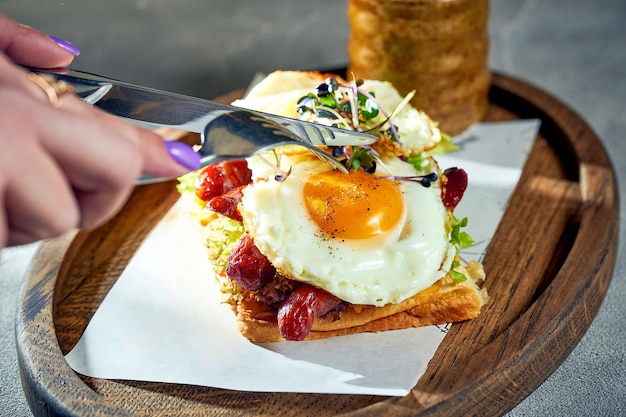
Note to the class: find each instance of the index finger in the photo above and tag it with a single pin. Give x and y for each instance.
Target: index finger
(160, 157)
(29, 47)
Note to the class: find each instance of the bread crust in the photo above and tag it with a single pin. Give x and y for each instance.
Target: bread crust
(445, 301)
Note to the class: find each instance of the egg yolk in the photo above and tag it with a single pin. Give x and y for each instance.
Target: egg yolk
(353, 206)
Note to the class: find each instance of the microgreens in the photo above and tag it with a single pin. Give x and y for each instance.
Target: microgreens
(362, 157)
(346, 104)
(424, 180)
(350, 106)
(460, 240)
(281, 175)
(456, 275)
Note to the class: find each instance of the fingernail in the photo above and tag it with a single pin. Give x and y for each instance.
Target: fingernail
(183, 154)
(66, 45)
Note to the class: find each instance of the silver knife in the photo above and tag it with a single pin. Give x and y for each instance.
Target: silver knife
(155, 108)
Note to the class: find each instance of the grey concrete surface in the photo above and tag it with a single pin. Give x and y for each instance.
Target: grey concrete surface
(574, 49)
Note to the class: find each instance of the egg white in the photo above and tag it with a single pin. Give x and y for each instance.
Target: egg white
(417, 130)
(387, 269)
(279, 92)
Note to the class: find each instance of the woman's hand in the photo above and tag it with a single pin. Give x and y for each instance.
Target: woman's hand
(70, 165)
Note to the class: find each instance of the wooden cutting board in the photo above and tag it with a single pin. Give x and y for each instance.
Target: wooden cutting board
(548, 266)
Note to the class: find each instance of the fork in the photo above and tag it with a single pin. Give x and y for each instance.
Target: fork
(243, 133)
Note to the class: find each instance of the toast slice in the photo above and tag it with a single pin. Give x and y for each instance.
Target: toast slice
(444, 302)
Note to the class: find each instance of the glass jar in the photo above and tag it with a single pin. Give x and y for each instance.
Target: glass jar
(439, 48)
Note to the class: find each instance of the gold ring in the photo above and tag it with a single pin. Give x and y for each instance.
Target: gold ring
(52, 87)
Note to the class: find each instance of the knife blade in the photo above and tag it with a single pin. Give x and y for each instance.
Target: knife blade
(154, 108)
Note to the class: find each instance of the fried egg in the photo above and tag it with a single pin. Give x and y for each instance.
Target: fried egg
(279, 92)
(362, 237)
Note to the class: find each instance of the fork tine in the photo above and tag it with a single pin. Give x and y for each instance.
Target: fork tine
(304, 132)
(244, 133)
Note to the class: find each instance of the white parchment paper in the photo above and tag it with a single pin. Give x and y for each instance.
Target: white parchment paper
(163, 321)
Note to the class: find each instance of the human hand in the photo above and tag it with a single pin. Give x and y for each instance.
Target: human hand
(70, 165)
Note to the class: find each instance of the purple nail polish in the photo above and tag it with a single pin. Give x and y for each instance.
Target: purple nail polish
(66, 45)
(183, 154)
